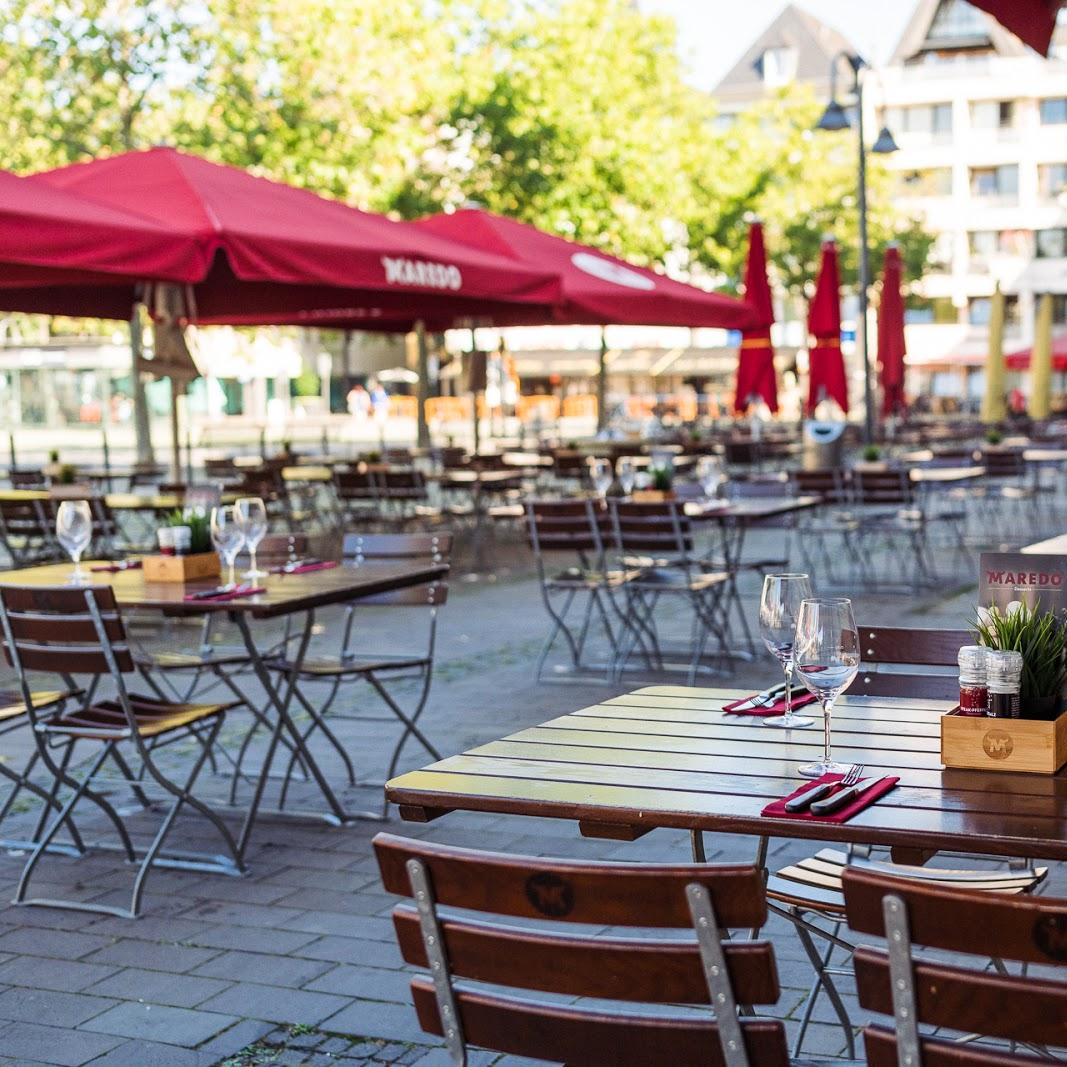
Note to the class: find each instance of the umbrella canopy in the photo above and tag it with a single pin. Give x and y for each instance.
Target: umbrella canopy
(51, 237)
(1032, 21)
(826, 369)
(891, 348)
(277, 254)
(1041, 361)
(1020, 360)
(993, 407)
(596, 288)
(755, 364)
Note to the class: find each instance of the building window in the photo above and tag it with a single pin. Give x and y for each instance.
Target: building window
(937, 181)
(933, 121)
(920, 311)
(1059, 309)
(993, 115)
(999, 242)
(777, 66)
(955, 21)
(1052, 179)
(1054, 111)
(995, 182)
(980, 307)
(1051, 244)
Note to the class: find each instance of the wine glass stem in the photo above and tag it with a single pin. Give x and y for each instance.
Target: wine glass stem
(252, 555)
(233, 571)
(788, 668)
(827, 706)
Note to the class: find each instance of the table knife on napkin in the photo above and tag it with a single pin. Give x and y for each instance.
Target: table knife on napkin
(761, 700)
(845, 796)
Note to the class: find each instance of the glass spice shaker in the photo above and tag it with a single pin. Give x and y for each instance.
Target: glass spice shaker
(1004, 671)
(974, 695)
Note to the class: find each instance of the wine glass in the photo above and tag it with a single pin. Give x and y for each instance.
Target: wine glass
(227, 536)
(826, 651)
(779, 607)
(74, 531)
(602, 476)
(709, 474)
(626, 473)
(252, 517)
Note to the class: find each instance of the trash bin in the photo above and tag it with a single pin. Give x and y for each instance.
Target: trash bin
(824, 445)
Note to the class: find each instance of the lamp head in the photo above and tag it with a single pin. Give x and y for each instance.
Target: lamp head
(833, 118)
(885, 145)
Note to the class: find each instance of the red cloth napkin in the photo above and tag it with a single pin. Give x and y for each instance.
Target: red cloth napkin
(801, 700)
(776, 809)
(117, 568)
(322, 565)
(232, 594)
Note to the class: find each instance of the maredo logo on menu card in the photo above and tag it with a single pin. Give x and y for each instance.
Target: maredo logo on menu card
(421, 272)
(1034, 579)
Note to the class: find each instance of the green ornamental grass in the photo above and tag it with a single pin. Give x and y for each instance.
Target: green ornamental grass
(1038, 635)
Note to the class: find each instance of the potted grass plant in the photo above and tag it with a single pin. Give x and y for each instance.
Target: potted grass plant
(1040, 638)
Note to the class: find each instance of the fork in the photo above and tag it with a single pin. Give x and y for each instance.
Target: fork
(823, 789)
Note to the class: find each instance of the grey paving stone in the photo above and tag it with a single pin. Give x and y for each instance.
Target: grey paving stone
(152, 1054)
(60, 1009)
(352, 950)
(232, 1040)
(368, 983)
(64, 945)
(290, 971)
(368, 1018)
(252, 939)
(439, 1057)
(267, 915)
(40, 972)
(344, 925)
(159, 987)
(275, 1003)
(155, 1022)
(26, 1042)
(153, 956)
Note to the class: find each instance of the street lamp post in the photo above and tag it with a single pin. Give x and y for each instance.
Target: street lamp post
(835, 117)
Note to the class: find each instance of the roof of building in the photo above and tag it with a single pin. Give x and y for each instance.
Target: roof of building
(812, 42)
(921, 35)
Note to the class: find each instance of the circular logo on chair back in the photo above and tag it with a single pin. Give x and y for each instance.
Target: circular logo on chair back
(998, 744)
(550, 894)
(1050, 936)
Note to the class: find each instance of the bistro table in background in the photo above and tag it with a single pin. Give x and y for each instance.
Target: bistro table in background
(482, 487)
(668, 756)
(283, 595)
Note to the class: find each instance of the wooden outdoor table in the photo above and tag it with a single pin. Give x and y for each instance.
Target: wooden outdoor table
(1044, 456)
(481, 485)
(667, 756)
(946, 475)
(284, 594)
(157, 502)
(1053, 546)
(311, 473)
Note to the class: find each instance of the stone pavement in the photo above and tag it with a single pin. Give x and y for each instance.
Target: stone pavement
(296, 963)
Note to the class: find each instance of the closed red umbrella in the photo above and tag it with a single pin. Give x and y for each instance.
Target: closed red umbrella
(755, 363)
(1032, 21)
(826, 367)
(891, 347)
(278, 254)
(596, 288)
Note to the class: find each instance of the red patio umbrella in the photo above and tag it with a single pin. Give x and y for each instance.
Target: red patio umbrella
(826, 367)
(1020, 360)
(755, 364)
(597, 288)
(278, 254)
(891, 347)
(1032, 21)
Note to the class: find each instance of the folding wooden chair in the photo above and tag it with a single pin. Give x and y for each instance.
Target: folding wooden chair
(978, 1003)
(465, 955)
(26, 532)
(79, 631)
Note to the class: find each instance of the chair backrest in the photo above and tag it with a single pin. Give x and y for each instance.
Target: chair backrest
(575, 526)
(430, 548)
(570, 464)
(27, 479)
(357, 483)
(24, 518)
(640, 969)
(659, 528)
(402, 483)
(453, 456)
(1004, 462)
(973, 1000)
(883, 486)
(63, 629)
(900, 645)
(832, 484)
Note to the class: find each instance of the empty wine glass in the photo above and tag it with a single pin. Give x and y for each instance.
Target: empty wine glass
(626, 473)
(710, 475)
(74, 531)
(779, 608)
(252, 516)
(227, 536)
(602, 476)
(827, 655)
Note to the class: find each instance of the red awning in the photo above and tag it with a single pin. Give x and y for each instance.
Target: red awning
(1020, 360)
(755, 361)
(826, 367)
(1032, 21)
(891, 347)
(277, 254)
(597, 288)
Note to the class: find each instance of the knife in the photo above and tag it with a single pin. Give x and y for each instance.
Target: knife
(845, 797)
(817, 792)
(760, 700)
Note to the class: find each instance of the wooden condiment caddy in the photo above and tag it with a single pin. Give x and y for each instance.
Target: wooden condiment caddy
(1036, 746)
(182, 568)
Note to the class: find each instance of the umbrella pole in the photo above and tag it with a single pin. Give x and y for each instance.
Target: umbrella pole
(474, 397)
(142, 430)
(175, 429)
(602, 382)
(423, 385)
(11, 448)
